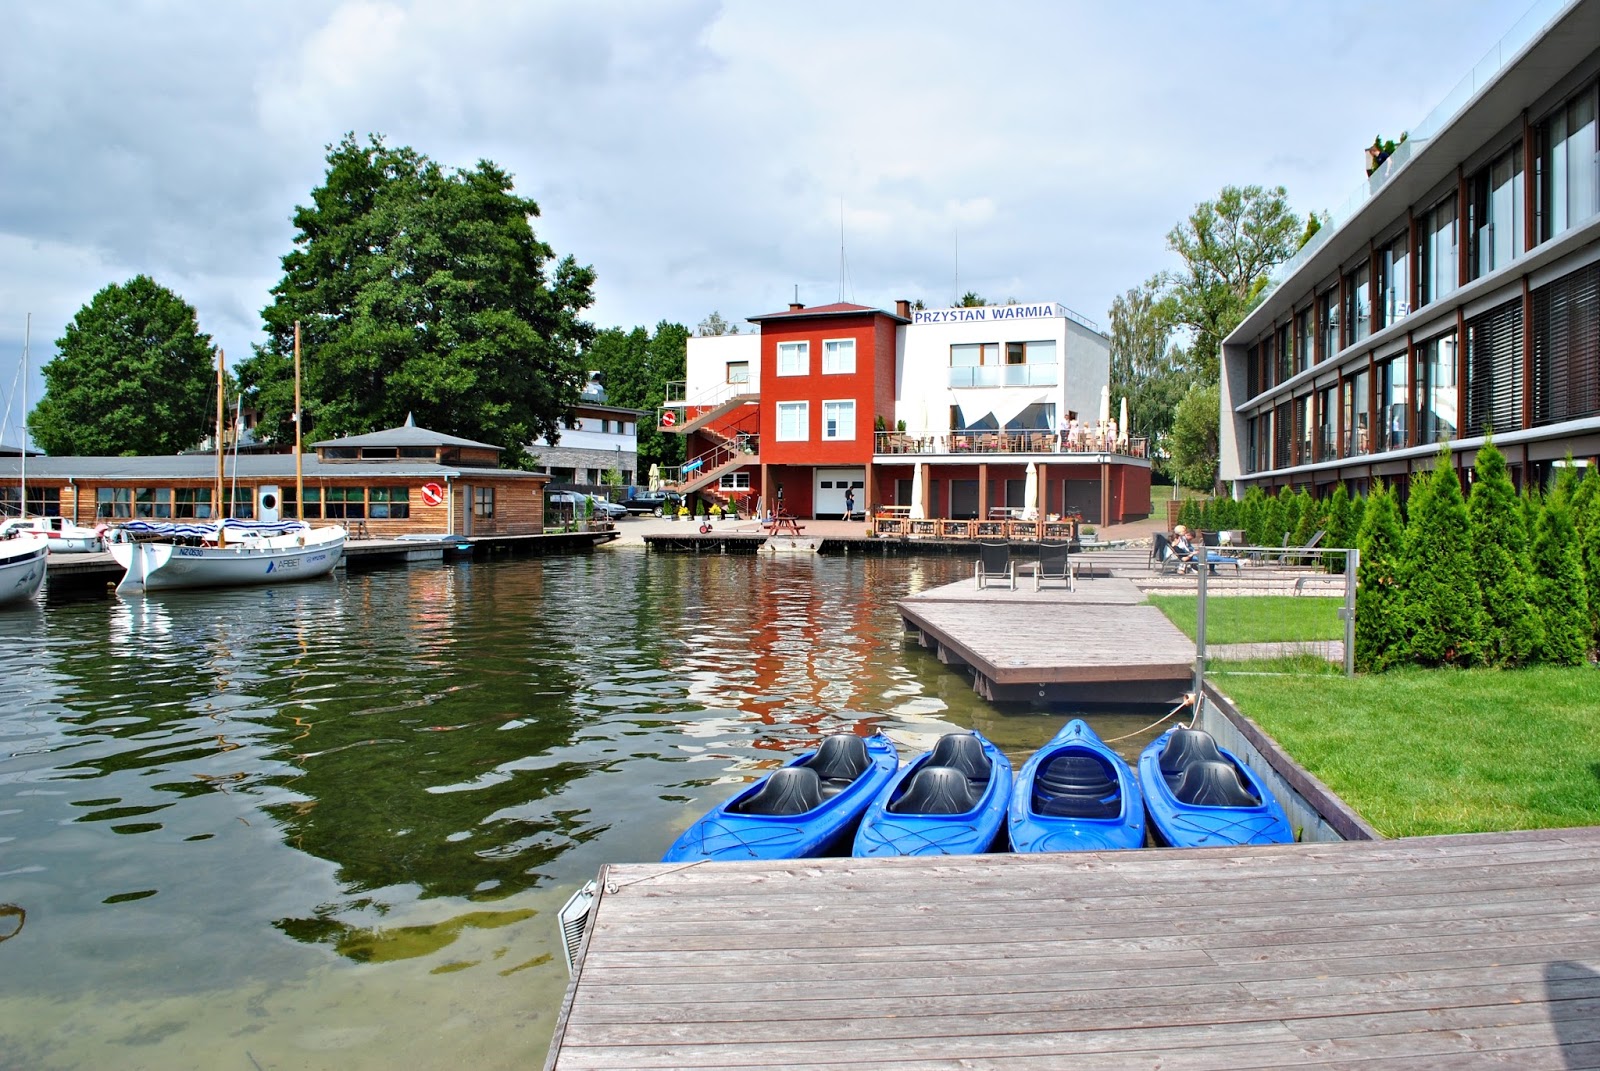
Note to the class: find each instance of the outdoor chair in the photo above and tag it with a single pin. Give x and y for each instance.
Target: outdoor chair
(994, 563)
(1055, 563)
(1161, 554)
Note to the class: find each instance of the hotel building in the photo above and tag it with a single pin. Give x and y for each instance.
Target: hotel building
(1457, 292)
(940, 412)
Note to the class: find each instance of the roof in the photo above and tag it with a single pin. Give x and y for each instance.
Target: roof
(7, 450)
(247, 467)
(408, 434)
(841, 308)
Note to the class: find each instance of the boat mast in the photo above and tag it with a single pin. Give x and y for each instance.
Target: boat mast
(221, 515)
(299, 473)
(27, 337)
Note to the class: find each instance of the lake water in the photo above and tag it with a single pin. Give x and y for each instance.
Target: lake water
(330, 825)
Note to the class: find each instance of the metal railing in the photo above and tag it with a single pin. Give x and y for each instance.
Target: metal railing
(1006, 375)
(744, 447)
(1007, 442)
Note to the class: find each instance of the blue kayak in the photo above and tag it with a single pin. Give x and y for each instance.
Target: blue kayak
(1200, 795)
(948, 801)
(803, 809)
(1076, 794)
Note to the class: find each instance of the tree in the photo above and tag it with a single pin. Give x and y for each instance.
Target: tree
(1195, 428)
(423, 291)
(1145, 367)
(636, 367)
(133, 374)
(971, 300)
(1444, 608)
(1500, 553)
(1380, 597)
(1341, 533)
(1228, 247)
(716, 325)
(1558, 584)
(1586, 519)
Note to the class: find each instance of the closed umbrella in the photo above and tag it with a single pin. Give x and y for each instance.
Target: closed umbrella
(1030, 494)
(655, 477)
(917, 512)
(1122, 423)
(1105, 405)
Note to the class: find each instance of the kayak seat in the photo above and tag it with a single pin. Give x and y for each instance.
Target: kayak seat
(1214, 784)
(936, 790)
(789, 791)
(1078, 806)
(964, 752)
(1183, 748)
(1075, 774)
(839, 761)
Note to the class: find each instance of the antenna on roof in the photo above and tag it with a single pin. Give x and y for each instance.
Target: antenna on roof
(957, 300)
(844, 265)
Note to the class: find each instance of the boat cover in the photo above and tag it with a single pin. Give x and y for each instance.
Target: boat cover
(208, 529)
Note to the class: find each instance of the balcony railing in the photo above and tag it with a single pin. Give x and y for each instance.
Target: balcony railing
(1007, 442)
(741, 447)
(1006, 375)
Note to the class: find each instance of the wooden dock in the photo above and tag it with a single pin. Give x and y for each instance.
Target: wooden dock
(1454, 952)
(1095, 643)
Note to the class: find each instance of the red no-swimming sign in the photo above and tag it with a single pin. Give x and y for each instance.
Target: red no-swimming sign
(432, 494)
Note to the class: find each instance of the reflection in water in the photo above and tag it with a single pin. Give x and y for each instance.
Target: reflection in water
(265, 825)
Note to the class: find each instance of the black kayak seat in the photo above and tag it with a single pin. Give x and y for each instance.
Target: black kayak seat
(1076, 785)
(964, 752)
(1214, 784)
(936, 790)
(790, 791)
(839, 761)
(1184, 748)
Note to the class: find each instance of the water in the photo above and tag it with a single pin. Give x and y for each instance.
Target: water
(330, 825)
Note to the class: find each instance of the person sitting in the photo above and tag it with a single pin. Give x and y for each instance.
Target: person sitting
(1183, 548)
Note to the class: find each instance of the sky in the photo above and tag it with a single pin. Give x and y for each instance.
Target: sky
(701, 156)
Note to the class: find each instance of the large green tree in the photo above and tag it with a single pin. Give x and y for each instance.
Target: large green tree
(1380, 593)
(423, 291)
(637, 365)
(1195, 427)
(1559, 587)
(1146, 367)
(1513, 630)
(133, 374)
(1444, 608)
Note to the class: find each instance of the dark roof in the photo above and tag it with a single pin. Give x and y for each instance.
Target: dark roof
(408, 434)
(841, 308)
(7, 450)
(248, 467)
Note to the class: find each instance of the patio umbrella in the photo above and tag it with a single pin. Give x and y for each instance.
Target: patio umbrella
(1030, 494)
(1105, 405)
(1122, 423)
(917, 512)
(655, 477)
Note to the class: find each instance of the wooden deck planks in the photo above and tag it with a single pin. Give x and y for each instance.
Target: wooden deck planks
(1467, 951)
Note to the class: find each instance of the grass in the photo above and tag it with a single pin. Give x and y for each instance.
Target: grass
(1256, 618)
(1420, 752)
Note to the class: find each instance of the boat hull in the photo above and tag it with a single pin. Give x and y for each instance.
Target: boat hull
(725, 834)
(972, 832)
(1034, 829)
(22, 569)
(165, 566)
(1183, 825)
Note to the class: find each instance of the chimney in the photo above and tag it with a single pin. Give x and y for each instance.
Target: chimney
(902, 309)
(796, 306)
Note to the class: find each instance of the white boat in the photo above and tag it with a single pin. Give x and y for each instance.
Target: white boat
(162, 557)
(63, 536)
(22, 564)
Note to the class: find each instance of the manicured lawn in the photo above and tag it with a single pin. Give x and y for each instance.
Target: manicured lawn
(1256, 618)
(1419, 751)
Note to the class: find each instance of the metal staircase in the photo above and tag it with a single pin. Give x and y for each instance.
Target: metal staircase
(680, 416)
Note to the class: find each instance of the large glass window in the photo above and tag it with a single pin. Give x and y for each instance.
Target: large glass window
(1358, 304)
(1328, 320)
(1285, 347)
(1395, 288)
(1497, 218)
(792, 420)
(738, 372)
(1327, 423)
(244, 503)
(839, 420)
(1436, 394)
(152, 503)
(482, 501)
(113, 503)
(392, 503)
(1567, 180)
(1439, 272)
(42, 501)
(794, 358)
(1394, 385)
(1302, 340)
(1357, 431)
(838, 355)
(1494, 370)
(1566, 347)
(194, 503)
(1302, 427)
(345, 503)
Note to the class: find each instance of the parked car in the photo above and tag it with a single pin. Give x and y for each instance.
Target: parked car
(653, 502)
(575, 501)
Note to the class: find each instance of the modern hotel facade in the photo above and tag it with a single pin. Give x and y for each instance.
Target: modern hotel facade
(1459, 293)
(939, 412)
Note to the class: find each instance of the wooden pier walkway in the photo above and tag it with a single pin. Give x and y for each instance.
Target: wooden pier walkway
(1093, 643)
(1449, 952)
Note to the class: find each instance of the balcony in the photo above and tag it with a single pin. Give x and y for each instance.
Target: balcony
(1006, 375)
(1006, 442)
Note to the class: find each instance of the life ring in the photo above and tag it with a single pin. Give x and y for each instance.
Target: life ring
(668, 418)
(432, 494)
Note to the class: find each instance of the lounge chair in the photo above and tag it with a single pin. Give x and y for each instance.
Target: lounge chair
(1055, 563)
(994, 563)
(1162, 555)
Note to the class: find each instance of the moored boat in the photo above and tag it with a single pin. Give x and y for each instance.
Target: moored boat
(62, 535)
(1076, 794)
(22, 568)
(806, 808)
(948, 801)
(1201, 795)
(237, 554)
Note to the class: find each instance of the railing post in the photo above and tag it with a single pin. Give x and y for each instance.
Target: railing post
(1200, 630)
(1352, 562)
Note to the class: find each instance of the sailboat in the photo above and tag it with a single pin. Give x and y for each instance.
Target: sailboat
(22, 563)
(226, 553)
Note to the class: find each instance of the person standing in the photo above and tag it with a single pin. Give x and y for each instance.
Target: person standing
(849, 503)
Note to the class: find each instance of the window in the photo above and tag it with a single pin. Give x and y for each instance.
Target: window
(1567, 182)
(1436, 396)
(794, 358)
(734, 481)
(483, 501)
(1041, 352)
(1566, 347)
(1358, 304)
(1302, 339)
(1358, 438)
(974, 354)
(738, 372)
(1394, 383)
(152, 503)
(1438, 270)
(1328, 320)
(1395, 292)
(345, 503)
(793, 421)
(839, 420)
(113, 503)
(1301, 447)
(1495, 219)
(194, 503)
(838, 355)
(1327, 424)
(42, 501)
(1282, 436)
(391, 503)
(244, 503)
(1016, 353)
(1494, 370)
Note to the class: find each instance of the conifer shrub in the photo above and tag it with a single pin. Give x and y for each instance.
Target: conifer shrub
(1443, 606)
(1340, 531)
(1310, 519)
(1513, 630)
(1587, 521)
(1380, 597)
(1252, 510)
(1559, 585)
